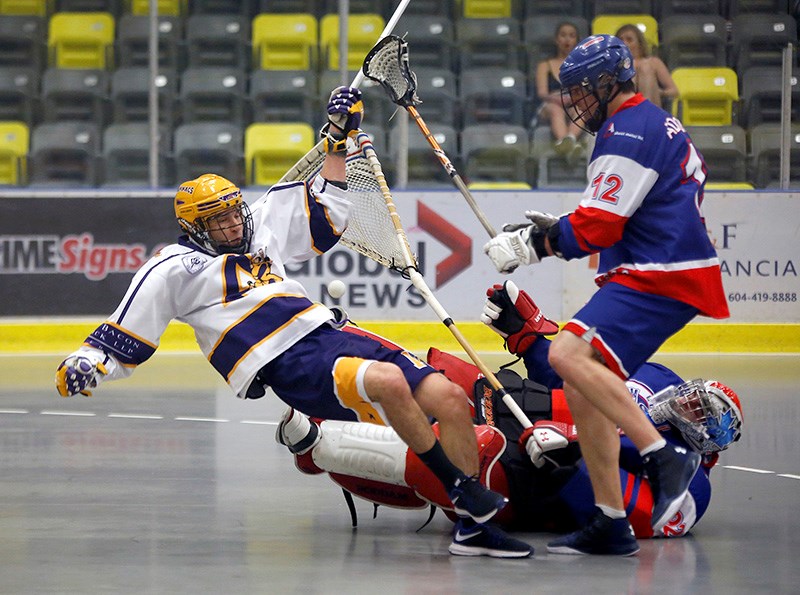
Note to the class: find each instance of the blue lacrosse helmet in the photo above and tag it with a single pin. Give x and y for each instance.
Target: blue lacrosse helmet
(595, 65)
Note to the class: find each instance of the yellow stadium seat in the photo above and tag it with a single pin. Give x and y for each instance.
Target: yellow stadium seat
(27, 7)
(487, 9)
(165, 7)
(14, 143)
(363, 31)
(608, 24)
(285, 41)
(705, 96)
(270, 149)
(81, 40)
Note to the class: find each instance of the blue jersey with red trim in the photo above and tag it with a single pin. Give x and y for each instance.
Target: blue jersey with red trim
(641, 210)
(577, 493)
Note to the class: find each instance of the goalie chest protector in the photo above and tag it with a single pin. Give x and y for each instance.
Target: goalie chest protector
(532, 398)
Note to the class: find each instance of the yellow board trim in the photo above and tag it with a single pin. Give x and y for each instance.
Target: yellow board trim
(21, 336)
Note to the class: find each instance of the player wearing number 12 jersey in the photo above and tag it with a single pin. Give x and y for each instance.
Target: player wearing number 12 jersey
(641, 211)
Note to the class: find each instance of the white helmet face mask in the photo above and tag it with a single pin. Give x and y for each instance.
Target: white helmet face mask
(707, 414)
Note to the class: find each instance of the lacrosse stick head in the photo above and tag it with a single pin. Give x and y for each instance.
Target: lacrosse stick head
(387, 64)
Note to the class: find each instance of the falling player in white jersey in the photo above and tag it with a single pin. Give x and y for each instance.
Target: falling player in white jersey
(227, 279)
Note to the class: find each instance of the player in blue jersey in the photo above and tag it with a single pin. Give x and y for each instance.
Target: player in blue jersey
(227, 278)
(657, 271)
(540, 469)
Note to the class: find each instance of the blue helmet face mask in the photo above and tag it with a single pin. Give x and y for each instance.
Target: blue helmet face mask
(589, 76)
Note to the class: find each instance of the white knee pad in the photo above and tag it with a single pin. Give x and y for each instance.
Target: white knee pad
(363, 450)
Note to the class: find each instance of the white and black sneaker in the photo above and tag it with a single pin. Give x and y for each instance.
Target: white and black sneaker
(470, 539)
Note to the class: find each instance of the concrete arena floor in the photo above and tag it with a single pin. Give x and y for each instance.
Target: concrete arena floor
(165, 483)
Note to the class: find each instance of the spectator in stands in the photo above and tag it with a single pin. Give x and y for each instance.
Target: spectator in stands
(548, 90)
(653, 79)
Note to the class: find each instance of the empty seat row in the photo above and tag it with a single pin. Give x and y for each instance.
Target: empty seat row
(708, 96)
(591, 8)
(216, 93)
(301, 41)
(246, 8)
(468, 8)
(79, 154)
(96, 40)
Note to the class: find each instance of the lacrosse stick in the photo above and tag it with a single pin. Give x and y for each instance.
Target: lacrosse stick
(318, 150)
(387, 64)
(373, 222)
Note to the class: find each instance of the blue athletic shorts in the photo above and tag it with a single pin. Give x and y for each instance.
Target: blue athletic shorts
(322, 374)
(627, 326)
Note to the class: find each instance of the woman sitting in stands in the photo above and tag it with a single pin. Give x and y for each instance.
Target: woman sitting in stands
(653, 79)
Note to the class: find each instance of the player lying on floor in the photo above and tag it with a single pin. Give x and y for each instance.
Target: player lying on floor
(540, 469)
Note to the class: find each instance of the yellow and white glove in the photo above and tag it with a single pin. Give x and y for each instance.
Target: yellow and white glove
(77, 374)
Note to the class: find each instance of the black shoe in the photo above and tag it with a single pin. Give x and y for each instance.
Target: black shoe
(669, 471)
(487, 540)
(602, 536)
(471, 498)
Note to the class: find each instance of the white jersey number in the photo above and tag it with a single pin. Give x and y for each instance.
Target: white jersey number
(694, 170)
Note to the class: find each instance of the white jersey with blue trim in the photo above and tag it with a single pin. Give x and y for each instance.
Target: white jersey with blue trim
(243, 309)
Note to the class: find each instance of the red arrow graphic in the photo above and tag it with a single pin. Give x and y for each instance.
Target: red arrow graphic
(459, 243)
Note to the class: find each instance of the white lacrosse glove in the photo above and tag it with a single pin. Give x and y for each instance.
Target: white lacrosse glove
(77, 374)
(543, 221)
(546, 437)
(510, 249)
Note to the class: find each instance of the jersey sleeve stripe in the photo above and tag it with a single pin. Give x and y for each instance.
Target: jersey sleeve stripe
(595, 229)
(128, 348)
(324, 233)
(618, 184)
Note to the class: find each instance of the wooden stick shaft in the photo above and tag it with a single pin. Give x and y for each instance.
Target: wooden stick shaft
(451, 170)
(419, 282)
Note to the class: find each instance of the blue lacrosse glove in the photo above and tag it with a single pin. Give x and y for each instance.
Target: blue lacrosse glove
(77, 374)
(345, 109)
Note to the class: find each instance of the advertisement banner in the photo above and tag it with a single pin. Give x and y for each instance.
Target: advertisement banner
(758, 242)
(448, 241)
(757, 237)
(76, 255)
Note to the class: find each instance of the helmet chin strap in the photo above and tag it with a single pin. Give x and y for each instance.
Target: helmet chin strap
(601, 113)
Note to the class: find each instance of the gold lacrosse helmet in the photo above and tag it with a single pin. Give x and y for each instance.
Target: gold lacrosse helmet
(200, 201)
